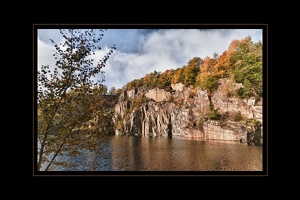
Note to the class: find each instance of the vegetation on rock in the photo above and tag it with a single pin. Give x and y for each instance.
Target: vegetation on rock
(242, 62)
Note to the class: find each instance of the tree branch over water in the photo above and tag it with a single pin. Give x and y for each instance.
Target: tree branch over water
(69, 99)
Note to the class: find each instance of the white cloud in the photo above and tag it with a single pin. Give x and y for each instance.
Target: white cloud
(170, 49)
(44, 54)
(46, 50)
(160, 50)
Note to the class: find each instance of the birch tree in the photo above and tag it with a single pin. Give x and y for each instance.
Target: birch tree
(71, 115)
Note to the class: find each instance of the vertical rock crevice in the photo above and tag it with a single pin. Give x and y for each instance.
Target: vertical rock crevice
(177, 114)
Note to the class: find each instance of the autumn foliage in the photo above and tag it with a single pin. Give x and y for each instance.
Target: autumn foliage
(242, 62)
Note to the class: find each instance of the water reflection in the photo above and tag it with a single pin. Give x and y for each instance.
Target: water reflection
(174, 154)
(133, 153)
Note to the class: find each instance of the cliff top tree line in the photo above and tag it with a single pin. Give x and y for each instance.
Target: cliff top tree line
(242, 62)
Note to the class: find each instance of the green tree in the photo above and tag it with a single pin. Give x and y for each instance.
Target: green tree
(191, 71)
(246, 60)
(71, 115)
(178, 76)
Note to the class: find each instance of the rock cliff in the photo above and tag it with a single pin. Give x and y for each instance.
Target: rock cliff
(186, 112)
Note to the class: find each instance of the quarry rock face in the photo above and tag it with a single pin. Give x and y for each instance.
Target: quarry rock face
(183, 112)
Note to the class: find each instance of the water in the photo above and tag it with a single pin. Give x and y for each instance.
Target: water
(133, 153)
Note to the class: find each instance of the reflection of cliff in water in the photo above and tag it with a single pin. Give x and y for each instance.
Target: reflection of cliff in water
(169, 130)
(138, 153)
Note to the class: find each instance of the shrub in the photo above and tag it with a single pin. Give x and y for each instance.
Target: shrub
(214, 115)
(237, 116)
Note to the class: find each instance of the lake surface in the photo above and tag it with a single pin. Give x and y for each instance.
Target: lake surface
(134, 153)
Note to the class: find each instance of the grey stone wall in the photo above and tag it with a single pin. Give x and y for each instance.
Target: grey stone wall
(178, 118)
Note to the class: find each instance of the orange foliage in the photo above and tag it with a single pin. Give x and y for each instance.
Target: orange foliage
(208, 64)
(233, 46)
(236, 44)
(223, 64)
(147, 78)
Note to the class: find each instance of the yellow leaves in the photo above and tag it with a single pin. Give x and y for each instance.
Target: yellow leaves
(208, 64)
(223, 61)
(233, 46)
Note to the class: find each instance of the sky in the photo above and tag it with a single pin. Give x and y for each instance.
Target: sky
(141, 51)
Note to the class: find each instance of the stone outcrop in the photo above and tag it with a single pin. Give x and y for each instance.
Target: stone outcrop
(158, 95)
(222, 100)
(183, 112)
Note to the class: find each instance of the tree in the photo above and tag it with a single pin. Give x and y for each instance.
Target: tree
(246, 62)
(71, 114)
(208, 78)
(112, 91)
(118, 92)
(223, 65)
(191, 71)
(178, 76)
